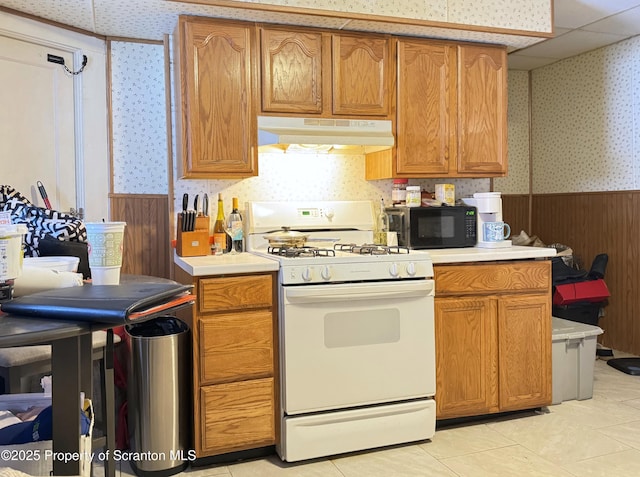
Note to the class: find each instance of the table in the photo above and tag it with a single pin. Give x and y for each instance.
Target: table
(71, 364)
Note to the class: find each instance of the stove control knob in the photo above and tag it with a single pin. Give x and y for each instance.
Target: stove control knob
(393, 270)
(326, 273)
(306, 274)
(411, 269)
(329, 213)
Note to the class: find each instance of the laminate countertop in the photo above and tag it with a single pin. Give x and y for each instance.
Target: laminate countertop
(477, 254)
(249, 263)
(244, 262)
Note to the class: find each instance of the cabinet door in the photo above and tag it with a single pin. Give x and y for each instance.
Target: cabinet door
(426, 107)
(466, 357)
(524, 351)
(291, 71)
(236, 416)
(236, 346)
(482, 110)
(219, 121)
(362, 68)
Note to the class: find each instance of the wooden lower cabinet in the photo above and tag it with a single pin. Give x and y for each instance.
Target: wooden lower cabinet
(234, 370)
(237, 416)
(493, 350)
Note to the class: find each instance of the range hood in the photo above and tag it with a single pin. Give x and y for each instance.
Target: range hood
(319, 135)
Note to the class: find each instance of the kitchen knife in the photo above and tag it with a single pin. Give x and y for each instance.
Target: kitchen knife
(195, 205)
(205, 205)
(185, 204)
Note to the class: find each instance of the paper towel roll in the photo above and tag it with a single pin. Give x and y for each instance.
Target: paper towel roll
(35, 279)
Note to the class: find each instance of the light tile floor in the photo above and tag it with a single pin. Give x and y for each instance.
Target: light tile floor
(593, 437)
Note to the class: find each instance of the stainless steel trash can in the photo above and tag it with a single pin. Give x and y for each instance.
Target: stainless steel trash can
(158, 396)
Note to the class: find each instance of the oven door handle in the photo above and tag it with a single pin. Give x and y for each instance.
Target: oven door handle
(324, 294)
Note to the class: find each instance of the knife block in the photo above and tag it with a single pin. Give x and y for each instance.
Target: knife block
(196, 242)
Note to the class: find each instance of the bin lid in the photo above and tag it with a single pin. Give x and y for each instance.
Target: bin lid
(566, 329)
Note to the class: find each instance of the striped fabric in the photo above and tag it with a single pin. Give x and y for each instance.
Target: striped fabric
(40, 222)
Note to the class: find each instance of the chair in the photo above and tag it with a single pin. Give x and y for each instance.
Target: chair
(18, 364)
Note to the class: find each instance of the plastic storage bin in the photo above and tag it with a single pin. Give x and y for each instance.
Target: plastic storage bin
(34, 458)
(573, 356)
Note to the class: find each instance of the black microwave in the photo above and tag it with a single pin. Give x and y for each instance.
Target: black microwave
(434, 227)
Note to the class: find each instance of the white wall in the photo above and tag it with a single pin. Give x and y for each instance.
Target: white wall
(91, 140)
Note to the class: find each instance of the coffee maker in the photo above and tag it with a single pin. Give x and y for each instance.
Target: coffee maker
(489, 205)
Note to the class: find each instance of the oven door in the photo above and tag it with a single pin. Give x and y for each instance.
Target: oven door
(348, 345)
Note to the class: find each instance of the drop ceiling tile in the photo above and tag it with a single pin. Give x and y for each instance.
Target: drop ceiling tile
(571, 44)
(78, 13)
(578, 13)
(521, 62)
(625, 23)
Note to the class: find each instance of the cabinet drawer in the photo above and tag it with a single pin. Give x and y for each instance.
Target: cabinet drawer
(235, 293)
(509, 277)
(237, 416)
(236, 346)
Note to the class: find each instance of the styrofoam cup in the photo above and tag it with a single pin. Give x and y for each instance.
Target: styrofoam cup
(106, 243)
(105, 275)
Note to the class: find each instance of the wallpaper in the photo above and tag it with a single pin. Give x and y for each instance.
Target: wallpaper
(586, 121)
(517, 179)
(285, 177)
(138, 111)
(140, 151)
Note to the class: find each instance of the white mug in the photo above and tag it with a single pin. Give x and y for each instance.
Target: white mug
(495, 231)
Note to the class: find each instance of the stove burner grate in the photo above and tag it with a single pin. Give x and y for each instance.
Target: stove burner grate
(284, 251)
(370, 249)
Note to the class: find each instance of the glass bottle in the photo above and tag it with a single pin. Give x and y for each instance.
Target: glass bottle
(234, 228)
(399, 192)
(382, 226)
(219, 235)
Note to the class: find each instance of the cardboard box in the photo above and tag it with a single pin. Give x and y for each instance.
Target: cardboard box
(573, 357)
(446, 193)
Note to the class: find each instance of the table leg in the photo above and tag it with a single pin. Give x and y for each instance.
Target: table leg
(110, 404)
(65, 399)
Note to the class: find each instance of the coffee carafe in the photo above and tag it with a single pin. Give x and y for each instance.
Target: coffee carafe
(493, 232)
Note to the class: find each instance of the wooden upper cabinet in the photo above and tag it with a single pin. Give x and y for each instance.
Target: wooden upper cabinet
(307, 71)
(451, 112)
(362, 67)
(218, 120)
(291, 71)
(426, 130)
(482, 110)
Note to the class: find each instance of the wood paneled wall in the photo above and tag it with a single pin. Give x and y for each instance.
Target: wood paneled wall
(593, 223)
(515, 212)
(147, 245)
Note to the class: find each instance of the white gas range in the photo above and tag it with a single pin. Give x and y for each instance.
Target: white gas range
(356, 329)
